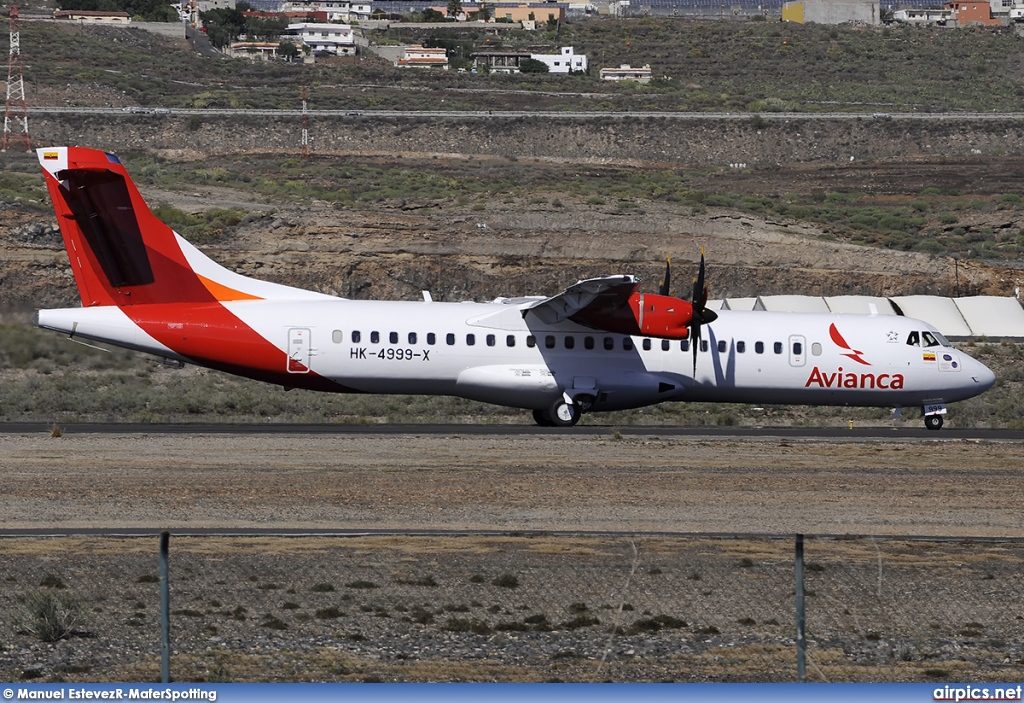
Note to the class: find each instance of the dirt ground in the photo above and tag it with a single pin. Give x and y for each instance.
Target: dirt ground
(505, 604)
(466, 482)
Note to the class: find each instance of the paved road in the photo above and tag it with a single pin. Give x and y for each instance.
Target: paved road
(536, 114)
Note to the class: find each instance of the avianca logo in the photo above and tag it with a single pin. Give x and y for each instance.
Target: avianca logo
(852, 353)
(848, 379)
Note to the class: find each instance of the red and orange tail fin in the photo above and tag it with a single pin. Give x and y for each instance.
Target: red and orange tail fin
(121, 254)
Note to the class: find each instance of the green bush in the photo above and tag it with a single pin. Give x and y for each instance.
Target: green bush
(51, 614)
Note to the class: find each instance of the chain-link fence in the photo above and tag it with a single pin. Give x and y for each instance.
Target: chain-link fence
(512, 608)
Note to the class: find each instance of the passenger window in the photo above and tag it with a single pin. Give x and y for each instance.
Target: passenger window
(721, 346)
(609, 343)
(393, 337)
(570, 341)
(531, 341)
(375, 337)
(816, 348)
(913, 339)
(684, 345)
(665, 345)
(490, 340)
(470, 339)
(431, 338)
(510, 341)
(338, 336)
(357, 336)
(588, 342)
(759, 347)
(704, 346)
(798, 348)
(647, 344)
(778, 347)
(412, 338)
(741, 347)
(627, 344)
(450, 339)
(549, 342)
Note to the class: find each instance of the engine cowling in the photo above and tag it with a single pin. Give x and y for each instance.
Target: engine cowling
(662, 315)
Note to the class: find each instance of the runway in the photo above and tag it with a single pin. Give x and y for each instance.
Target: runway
(836, 433)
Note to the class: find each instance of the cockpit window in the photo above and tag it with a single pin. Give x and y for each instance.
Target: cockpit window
(914, 339)
(928, 339)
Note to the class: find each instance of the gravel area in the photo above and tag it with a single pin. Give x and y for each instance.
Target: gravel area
(630, 606)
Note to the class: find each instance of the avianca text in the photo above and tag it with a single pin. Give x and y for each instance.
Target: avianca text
(848, 379)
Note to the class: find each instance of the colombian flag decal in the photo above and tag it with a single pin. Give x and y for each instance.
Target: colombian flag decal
(50, 155)
(928, 356)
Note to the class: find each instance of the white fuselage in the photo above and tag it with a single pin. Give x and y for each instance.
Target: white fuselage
(491, 352)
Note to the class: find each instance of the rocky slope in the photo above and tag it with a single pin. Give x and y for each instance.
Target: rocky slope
(526, 245)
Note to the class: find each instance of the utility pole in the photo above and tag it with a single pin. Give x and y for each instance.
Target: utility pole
(17, 111)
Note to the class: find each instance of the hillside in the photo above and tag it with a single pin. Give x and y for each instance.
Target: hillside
(476, 229)
(479, 208)
(700, 66)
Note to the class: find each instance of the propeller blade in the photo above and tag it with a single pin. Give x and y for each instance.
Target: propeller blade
(700, 315)
(666, 282)
(700, 288)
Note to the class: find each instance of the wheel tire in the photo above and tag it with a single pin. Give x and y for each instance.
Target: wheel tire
(933, 422)
(542, 418)
(564, 414)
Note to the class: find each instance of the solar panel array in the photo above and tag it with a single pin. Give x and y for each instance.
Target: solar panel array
(711, 7)
(719, 6)
(716, 7)
(266, 5)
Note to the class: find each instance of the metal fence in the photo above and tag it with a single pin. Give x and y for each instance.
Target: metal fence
(515, 608)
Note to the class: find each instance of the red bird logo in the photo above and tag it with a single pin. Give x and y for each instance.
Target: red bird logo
(854, 354)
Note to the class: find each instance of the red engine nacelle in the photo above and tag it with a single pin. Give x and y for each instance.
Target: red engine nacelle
(648, 314)
(661, 315)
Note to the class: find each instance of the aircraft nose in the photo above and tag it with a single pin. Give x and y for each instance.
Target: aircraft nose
(983, 375)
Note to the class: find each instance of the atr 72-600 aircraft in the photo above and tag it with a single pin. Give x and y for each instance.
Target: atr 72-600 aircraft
(599, 345)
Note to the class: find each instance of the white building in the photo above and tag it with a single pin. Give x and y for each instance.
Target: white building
(625, 72)
(208, 5)
(566, 61)
(422, 57)
(333, 38)
(93, 16)
(939, 17)
(337, 10)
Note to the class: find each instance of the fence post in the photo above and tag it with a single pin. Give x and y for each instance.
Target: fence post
(165, 612)
(801, 624)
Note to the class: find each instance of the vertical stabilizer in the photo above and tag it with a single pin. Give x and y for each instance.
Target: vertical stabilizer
(120, 253)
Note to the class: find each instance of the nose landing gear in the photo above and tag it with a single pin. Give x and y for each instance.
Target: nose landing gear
(933, 422)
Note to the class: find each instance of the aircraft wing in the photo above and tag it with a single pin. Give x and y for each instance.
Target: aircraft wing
(607, 296)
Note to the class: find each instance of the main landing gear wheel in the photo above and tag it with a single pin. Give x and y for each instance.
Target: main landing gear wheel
(933, 422)
(542, 418)
(564, 414)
